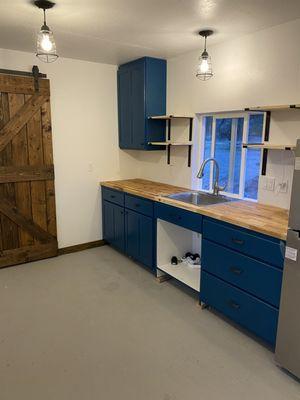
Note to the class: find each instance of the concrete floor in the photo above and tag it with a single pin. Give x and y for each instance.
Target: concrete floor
(94, 325)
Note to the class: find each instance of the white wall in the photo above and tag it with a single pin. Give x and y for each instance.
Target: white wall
(84, 119)
(257, 69)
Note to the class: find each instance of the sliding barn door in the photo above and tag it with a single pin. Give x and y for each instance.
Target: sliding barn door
(27, 197)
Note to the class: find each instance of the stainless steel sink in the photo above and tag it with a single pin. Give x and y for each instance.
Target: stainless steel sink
(200, 198)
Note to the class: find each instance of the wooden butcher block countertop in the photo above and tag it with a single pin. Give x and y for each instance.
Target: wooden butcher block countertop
(269, 220)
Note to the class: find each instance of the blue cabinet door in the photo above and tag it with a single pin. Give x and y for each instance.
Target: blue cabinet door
(139, 237)
(138, 106)
(125, 109)
(132, 233)
(114, 225)
(146, 242)
(141, 94)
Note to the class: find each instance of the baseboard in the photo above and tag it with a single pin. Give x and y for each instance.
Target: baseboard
(80, 247)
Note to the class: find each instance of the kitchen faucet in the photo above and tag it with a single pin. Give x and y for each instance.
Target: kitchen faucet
(216, 187)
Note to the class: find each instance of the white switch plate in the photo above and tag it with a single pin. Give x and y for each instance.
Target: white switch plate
(268, 183)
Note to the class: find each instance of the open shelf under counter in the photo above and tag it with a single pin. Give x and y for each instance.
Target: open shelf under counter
(269, 146)
(174, 240)
(187, 274)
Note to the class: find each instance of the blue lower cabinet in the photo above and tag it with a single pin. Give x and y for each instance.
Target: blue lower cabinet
(178, 216)
(114, 225)
(131, 232)
(253, 276)
(253, 244)
(139, 233)
(243, 308)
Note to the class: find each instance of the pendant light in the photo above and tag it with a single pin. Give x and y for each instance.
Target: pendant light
(204, 70)
(46, 48)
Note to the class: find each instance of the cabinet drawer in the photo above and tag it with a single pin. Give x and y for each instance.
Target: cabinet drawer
(246, 310)
(178, 216)
(139, 204)
(113, 196)
(260, 279)
(262, 247)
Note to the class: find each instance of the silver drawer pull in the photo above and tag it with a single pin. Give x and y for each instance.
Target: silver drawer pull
(234, 304)
(238, 241)
(236, 270)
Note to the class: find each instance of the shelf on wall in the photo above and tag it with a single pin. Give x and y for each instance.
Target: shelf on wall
(168, 117)
(168, 143)
(268, 146)
(171, 143)
(274, 107)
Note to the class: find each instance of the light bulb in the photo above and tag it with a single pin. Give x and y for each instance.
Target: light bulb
(46, 43)
(204, 66)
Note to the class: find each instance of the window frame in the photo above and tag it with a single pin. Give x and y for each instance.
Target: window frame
(234, 116)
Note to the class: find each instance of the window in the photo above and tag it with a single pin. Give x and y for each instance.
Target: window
(223, 138)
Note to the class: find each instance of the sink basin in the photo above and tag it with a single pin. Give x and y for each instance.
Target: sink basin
(200, 198)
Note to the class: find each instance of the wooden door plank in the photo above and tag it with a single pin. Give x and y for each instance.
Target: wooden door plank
(12, 212)
(24, 114)
(48, 160)
(26, 173)
(27, 254)
(9, 229)
(35, 153)
(20, 157)
(23, 85)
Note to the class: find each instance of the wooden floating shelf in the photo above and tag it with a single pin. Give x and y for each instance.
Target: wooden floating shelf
(268, 146)
(274, 107)
(168, 117)
(171, 143)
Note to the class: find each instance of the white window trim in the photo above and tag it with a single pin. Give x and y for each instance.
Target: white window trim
(233, 115)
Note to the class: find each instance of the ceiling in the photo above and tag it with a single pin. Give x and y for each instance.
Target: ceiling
(116, 31)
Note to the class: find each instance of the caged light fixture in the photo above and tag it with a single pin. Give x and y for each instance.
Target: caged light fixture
(204, 70)
(46, 48)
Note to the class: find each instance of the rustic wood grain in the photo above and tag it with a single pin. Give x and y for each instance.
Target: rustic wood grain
(35, 157)
(19, 156)
(9, 230)
(22, 85)
(20, 118)
(27, 254)
(27, 223)
(26, 173)
(269, 220)
(48, 159)
(13, 213)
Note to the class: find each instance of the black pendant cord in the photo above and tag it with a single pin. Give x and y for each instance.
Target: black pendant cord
(205, 43)
(45, 22)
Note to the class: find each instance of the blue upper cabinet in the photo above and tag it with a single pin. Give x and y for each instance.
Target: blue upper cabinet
(141, 94)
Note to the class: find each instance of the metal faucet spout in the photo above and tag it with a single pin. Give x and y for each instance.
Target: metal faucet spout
(216, 187)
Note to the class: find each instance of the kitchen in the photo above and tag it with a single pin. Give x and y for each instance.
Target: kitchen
(135, 207)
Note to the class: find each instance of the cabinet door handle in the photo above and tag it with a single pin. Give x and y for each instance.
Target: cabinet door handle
(238, 241)
(233, 304)
(112, 196)
(137, 205)
(236, 270)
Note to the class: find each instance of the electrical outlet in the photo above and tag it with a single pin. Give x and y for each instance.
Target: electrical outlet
(283, 186)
